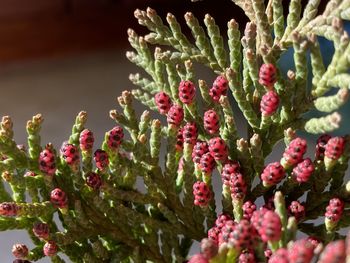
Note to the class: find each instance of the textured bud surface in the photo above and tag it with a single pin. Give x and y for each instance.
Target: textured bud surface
(321, 145)
(163, 102)
(175, 115)
(58, 198)
(41, 230)
(280, 256)
(50, 248)
(20, 251)
(47, 162)
(248, 209)
(271, 226)
(238, 186)
(70, 153)
(334, 252)
(303, 170)
(199, 149)
(227, 171)
(269, 103)
(202, 194)
(187, 91)
(218, 149)
(297, 210)
(86, 140)
(207, 163)
(272, 174)
(94, 180)
(301, 251)
(101, 159)
(115, 137)
(294, 152)
(190, 133)
(243, 236)
(334, 147)
(8, 209)
(211, 122)
(219, 88)
(267, 75)
(334, 210)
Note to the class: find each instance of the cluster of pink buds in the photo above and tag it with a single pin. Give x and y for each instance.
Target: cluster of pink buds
(238, 186)
(270, 100)
(218, 149)
(187, 91)
(86, 140)
(334, 211)
(333, 151)
(202, 194)
(190, 133)
(163, 102)
(179, 140)
(41, 230)
(208, 248)
(229, 169)
(94, 180)
(207, 163)
(302, 172)
(199, 149)
(265, 225)
(47, 162)
(219, 88)
(101, 159)
(269, 103)
(70, 154)
(267, 75)
(321, 146)
(301, 251)
(302, 169)
(297, 210)
(115, 137)
(59, 198)
(334, 252)
(248, 209)
(225, 231)
(272, 174)
(280, 256)
(175, 112)
(20, 251)
(334, 148)
(175, 115)
(50, 248)
(271, 226)
(247, 257)
(8, 209)
(211, 122)
(294, 152)
(244, 235)
(220, 223)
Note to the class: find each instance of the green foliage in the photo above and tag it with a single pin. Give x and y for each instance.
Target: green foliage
(120, 223)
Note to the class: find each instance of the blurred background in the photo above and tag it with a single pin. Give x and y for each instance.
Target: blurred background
(58, 57)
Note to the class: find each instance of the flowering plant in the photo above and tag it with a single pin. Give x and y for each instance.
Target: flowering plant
(107, 218)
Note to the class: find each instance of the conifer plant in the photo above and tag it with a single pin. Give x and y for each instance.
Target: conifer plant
(293, 209)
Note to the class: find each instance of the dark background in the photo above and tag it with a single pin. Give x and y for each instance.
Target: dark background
(58, 57)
